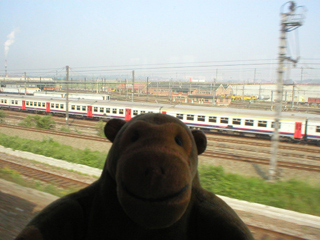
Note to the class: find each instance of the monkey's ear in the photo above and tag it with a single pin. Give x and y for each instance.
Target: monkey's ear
(112, 128)
(200, 139)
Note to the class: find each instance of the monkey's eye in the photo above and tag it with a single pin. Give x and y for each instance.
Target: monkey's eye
(178, 141)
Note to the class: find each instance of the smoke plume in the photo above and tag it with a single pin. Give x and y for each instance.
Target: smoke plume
(9, 42)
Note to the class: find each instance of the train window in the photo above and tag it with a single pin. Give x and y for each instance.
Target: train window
(114, 110)
(179, 116)
(78, 108)
(150, 112)
(135, 112)
(121, 111)
(224, 120)
(212, 119)
(190, 117)
(249, 122)
(5, 101)
(73, 107)
(262, 123)
(43, 104)
(273, 124)
(236, 121)
(201, 118)
(107, 110)
(52, 105)
(95, 109)
(101, 109)
(142, 112)
(57, 105)
(84, 108)
(317, 128)
(16, 101)
(12, 101)
(31, 103)
(61, 106)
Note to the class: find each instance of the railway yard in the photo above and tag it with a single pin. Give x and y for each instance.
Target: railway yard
(246, 156)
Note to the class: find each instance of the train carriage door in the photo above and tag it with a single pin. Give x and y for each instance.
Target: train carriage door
(297, 130)
(89, 112)
(127, 117)
(24, 105)
(47, 107)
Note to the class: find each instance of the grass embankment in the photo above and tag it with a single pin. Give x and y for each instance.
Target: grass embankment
(292, 195)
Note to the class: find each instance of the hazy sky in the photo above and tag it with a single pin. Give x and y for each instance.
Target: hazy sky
(113, 37)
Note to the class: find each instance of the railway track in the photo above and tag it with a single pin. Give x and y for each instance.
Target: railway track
(228, 153)
(291, 165)
(42, 175)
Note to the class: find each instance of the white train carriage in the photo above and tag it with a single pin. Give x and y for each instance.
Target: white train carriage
(238, 121)
(7, 102)
(123, 110)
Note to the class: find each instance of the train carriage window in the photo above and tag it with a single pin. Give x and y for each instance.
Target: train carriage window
(224, 120)
(273, 125)
(249, 122)
(57, 105)
(5, 101)
(135, 112)
(84, 108)
(78, 108)
(95, 109)
(12, 101)
(317, 128)
(61, 106)
(179, 116)
(114, 110)
(52, 105)
(121, 111)
(39, 104)
(73, 107)
(31, 103)
(107, 110)
(101, 109)
(190, 117)
(16, 101)
(142, 112)
(43, 104)
(150, 112)
(262, 123)
(212, 119)
(236, 121)
(1, 100)
(201, 118)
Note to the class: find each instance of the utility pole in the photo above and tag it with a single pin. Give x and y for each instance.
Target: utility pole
(67, 96)
(25, 83)
(289, 22)
(147, 89)
(132, 85)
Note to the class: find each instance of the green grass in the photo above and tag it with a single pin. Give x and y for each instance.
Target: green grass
(292, 195)
(50, 148)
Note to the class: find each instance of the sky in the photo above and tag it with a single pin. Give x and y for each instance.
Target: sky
(223, 40)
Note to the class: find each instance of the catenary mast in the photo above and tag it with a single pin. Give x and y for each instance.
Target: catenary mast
(290, 20)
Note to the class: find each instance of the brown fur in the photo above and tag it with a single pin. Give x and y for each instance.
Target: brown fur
(149, 189)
